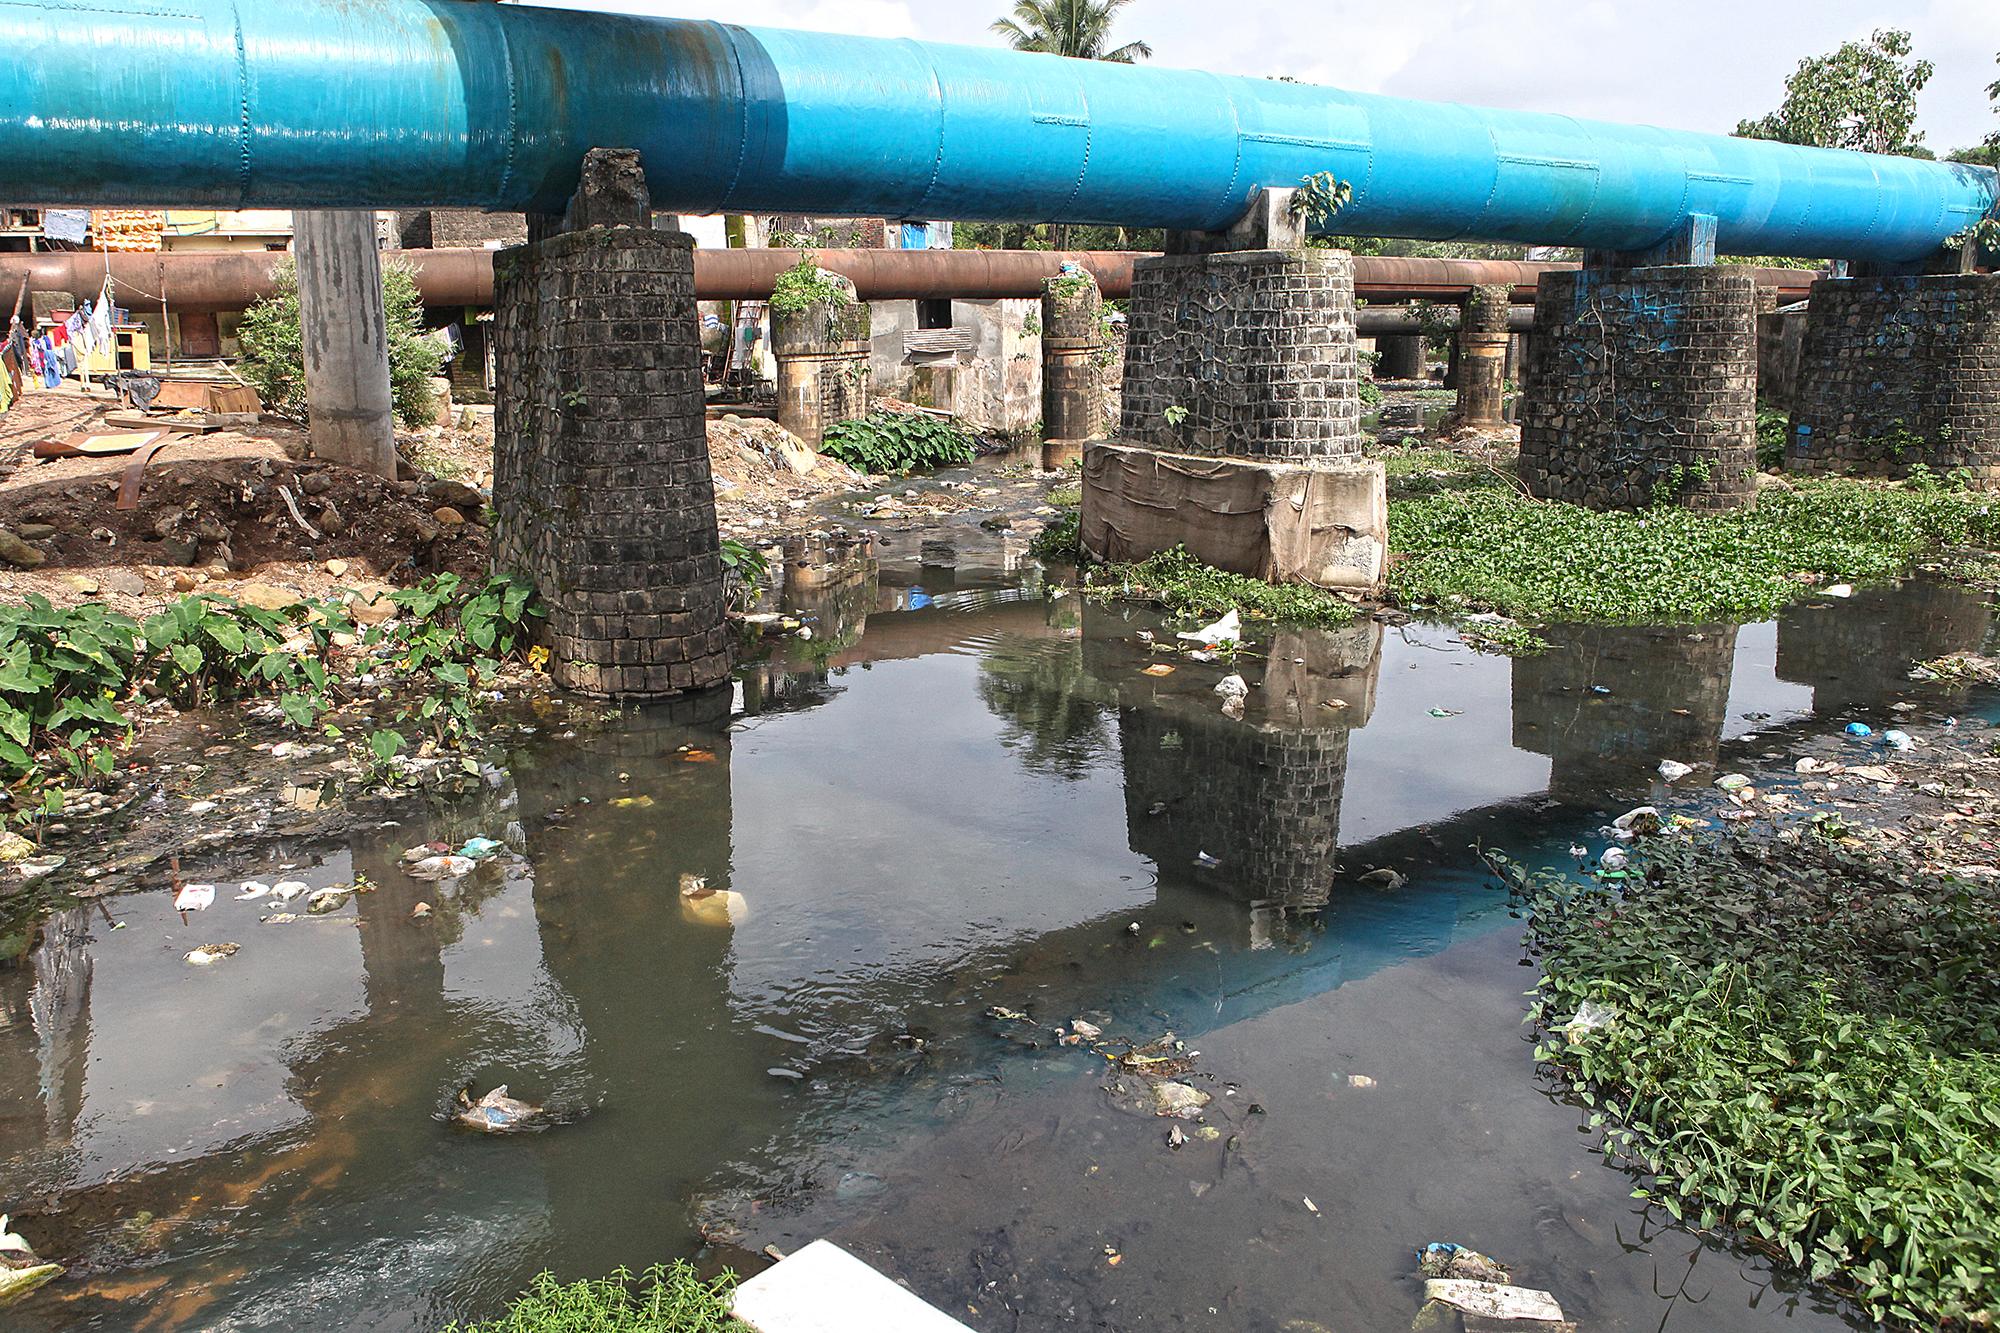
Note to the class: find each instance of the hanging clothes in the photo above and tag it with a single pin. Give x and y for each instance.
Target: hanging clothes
(51, 369)
(6, 382)
(66, 360)
(76, 327)
(66, 224)
(10, 361)
(100, 320)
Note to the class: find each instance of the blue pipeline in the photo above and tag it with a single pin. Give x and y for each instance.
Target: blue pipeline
(412, 103)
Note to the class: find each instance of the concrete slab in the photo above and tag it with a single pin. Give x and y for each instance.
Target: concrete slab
(824, 1289)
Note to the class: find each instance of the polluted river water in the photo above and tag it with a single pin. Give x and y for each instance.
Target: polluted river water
(955, 821)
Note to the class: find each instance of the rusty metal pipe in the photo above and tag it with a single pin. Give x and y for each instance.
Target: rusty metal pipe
(204, 281)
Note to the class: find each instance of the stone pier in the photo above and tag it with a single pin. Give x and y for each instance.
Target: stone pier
(601, 476)
(1898, 370)
(1241, 430)
(822, 354)
(1073, 343)
(1402, 356)
(1483, 340)
(1642, 387)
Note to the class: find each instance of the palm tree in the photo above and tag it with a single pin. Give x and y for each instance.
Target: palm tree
(1080, 29)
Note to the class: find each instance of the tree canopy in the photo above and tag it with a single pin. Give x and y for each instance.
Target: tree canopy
(1862, 96)
(1080, 29)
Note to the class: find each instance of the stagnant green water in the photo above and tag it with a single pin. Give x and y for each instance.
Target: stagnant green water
(962, 793)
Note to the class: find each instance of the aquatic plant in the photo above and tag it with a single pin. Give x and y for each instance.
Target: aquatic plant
(664, 1299)
(1184, 585)
(1060, 540)
(1492, 548)
(1801, 1042)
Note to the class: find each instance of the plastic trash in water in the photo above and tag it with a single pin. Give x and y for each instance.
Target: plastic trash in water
(20, 1271)
(1207, 862)
(1444, 1260)
(1898, 740)
(194, 898)
(1233, 687)
(442, 868)
(1732, 782)
(1614, 860)
(1860, 729)
(286, 890)
(1643, 822)
(496, 1112)
(478, 849)
(1229, 629)
(1673, 771)
(251, 890)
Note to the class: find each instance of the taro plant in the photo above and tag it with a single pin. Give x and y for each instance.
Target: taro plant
(63, 672)
(207, 649)
(896, 443)
(453, 635)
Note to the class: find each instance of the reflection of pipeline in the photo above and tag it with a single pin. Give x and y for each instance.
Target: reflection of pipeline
(198, 282)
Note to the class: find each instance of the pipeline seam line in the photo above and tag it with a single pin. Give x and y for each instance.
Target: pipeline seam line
(1596, 182)
(121, 11)
(243, 172)
(729, 32)
(1089, 142)
(513, 108)
(937, 162)
(1236, 173)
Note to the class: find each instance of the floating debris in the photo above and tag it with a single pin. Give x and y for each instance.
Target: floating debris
(496, 1112)
(208, 955)
(194, 898)
(328, 901)
(251, 890)
(1444, 1260)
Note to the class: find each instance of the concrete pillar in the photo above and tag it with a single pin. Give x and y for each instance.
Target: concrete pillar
(822, 354)
(346, 337)
(601, 476)
(1898, 370)
(1241, 406)
(1517, 358)
(1482, 358)
(1642, 388)
(1402, 356)
(1072, 354)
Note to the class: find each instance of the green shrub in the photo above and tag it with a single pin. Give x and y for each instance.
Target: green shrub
(273, 348)
(663, 1300)
(1774, 432)
(803, 286)
(1804, 1046)
(1060, 540)
(894, 443)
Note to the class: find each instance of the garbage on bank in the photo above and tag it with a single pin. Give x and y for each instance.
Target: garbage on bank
(21, 1272)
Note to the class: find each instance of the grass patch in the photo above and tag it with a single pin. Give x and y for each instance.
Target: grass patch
(1060, 540)
(1492, 548)
(1184, 585)
(670, 1299)
(1416, 472)
(1804, 1048)
(1066, 497)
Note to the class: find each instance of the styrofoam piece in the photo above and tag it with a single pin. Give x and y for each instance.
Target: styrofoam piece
(1495, 1301)
(824, 1289)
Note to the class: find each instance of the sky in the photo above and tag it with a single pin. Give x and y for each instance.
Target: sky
(1684, 64)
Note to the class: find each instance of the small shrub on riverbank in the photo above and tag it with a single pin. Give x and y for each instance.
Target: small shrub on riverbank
(1804, 1047)
(894, 443)
(1185, 586)
(1494, 548)
(274, 358)
(662, 1300)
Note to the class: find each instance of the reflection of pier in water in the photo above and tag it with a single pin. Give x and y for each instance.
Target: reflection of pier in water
(1857, 654)
(1606, 703)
